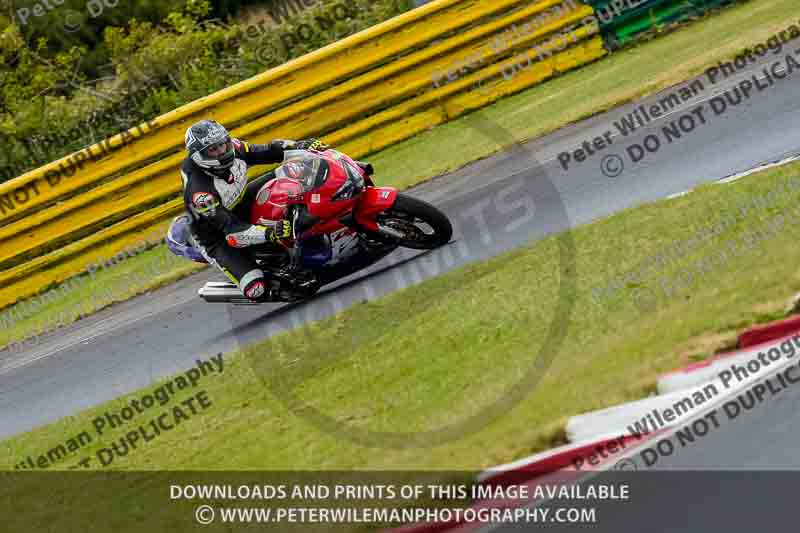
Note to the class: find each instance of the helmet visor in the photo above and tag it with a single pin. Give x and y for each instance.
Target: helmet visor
(216, 151)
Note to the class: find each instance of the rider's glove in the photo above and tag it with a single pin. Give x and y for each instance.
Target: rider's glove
(312, 144)
(281, 230)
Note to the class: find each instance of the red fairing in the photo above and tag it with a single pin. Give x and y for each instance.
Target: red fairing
(371, 203)
(271, 200)
(319, 201)
(288, 188)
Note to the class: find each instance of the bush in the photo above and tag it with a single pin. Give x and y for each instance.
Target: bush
(80, 23)
(50, 107)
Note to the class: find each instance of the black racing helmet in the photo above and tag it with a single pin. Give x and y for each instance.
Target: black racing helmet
(210, 146)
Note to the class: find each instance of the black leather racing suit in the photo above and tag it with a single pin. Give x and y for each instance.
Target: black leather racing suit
(220, 212)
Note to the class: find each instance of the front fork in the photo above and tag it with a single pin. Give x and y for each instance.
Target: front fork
(301, 282)
(294, 252)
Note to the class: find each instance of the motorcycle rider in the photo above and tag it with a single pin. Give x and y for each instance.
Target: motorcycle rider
(218, 198)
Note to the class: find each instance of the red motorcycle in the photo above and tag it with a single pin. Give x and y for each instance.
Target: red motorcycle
(341, 223)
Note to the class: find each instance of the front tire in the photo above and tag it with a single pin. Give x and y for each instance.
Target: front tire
(424, 226)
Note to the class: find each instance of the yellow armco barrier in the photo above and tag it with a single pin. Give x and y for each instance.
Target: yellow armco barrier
(30, 278)
(318, 115)
(343, 92)
(403, 122)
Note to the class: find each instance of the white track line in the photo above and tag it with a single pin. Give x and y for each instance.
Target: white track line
(740, 175)
(679, 194)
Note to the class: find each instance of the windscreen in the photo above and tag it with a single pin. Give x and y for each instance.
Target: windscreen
(310, 169)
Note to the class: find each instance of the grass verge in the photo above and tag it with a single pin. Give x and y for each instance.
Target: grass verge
(619, 78)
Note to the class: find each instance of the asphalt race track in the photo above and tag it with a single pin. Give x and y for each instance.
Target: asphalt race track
(496, 204)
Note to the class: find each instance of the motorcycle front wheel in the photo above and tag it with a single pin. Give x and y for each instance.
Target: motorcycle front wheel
(421, 225)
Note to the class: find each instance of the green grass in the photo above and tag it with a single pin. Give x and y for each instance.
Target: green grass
(424, 357)
(620, 77)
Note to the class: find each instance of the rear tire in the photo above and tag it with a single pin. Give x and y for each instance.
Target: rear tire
(405, 216)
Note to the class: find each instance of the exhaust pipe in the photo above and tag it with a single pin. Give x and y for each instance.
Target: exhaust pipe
(223, 292)
(391, 232)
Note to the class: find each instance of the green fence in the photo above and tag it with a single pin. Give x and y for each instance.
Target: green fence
(621, 21)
